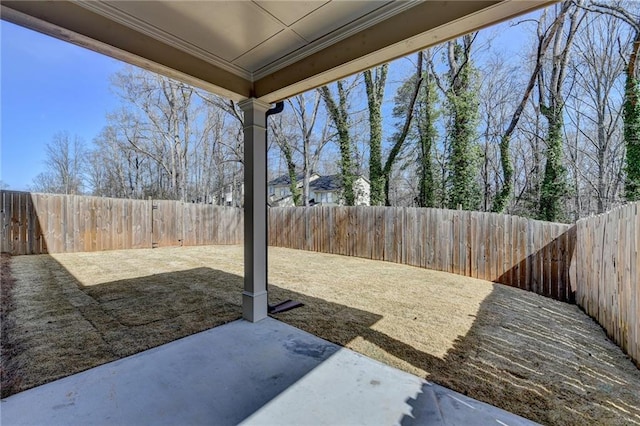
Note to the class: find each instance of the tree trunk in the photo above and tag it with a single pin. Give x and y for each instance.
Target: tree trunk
(339, 115)
(375, 81)
(632, 126)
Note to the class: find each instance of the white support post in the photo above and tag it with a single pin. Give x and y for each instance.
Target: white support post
(254, 296)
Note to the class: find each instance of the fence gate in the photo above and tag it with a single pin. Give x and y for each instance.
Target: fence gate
(166, 223)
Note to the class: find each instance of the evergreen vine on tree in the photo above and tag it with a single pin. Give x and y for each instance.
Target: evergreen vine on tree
(554, 183)
(427, 114)
(554, 186)
(340, 117)
(375, 81)
(293, 178)
(631, 114)
(462, 97)
(632, 126)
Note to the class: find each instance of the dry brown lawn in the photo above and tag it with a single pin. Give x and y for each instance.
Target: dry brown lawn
(536, 357)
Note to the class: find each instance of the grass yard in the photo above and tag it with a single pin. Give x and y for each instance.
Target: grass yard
(536, 357)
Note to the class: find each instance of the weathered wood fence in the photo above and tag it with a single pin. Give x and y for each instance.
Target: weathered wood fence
(607, 269)
(528, 254)
(593, 263)
(47, 223)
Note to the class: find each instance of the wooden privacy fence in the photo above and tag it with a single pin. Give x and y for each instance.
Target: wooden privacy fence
(519, 252)
(607, 269)
(189, 224)
(47, 223)
(594, 263)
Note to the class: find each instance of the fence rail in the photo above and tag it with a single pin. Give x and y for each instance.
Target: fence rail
(594, 263)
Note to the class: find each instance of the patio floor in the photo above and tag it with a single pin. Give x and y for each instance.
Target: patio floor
(264, 373)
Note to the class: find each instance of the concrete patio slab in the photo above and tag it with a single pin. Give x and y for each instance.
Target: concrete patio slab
(267, 373)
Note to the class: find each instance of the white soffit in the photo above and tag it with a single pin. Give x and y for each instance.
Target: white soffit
(262, 48)
(289, 12)
(245, 37)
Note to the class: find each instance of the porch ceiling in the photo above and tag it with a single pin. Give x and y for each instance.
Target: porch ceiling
(270, 50)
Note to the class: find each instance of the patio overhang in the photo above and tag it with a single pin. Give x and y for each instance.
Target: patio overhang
(269, 50)
(259, 52)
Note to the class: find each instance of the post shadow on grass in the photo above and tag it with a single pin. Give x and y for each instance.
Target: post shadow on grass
(124, 317)
(132, 315)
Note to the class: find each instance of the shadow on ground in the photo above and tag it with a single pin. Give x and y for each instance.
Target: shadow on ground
(511, 357)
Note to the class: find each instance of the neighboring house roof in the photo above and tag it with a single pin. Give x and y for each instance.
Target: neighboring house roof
(284, 180)
(363, 178)
(330, 183)
(326, 183)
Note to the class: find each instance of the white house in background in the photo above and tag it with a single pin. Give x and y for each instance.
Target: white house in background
(323, 190)
(280, 189)
(230, 195)
(327, 190)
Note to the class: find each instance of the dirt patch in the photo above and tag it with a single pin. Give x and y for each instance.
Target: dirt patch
(536, 357)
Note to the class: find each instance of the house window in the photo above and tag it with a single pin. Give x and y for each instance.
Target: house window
(284, 192)
(324, 197)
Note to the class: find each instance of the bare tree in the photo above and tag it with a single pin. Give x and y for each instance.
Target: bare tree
(165, 110)
(305, 109)
(169, 141)
(65, 160)
(595, 109)
(404, 110)
(628, 13)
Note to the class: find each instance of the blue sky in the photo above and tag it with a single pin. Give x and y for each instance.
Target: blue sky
(47, 86)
